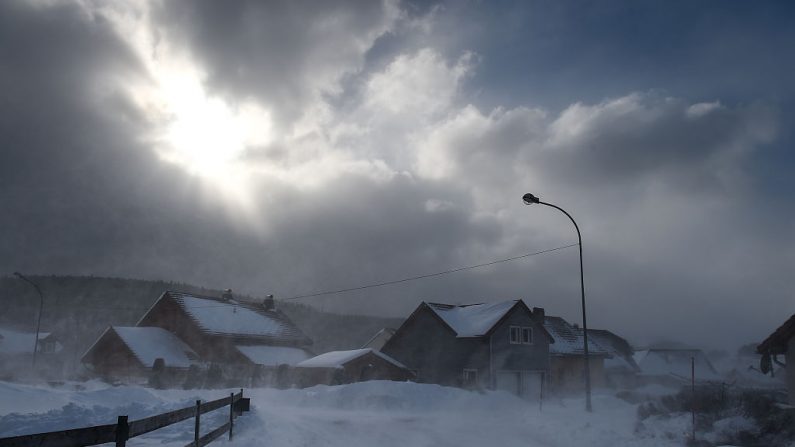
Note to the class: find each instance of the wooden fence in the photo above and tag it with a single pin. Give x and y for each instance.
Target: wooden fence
(124, 430)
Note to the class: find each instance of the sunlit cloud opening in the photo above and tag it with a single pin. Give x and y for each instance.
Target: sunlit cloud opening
(204, 134)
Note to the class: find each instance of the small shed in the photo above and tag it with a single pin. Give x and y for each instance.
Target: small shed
(620, 369)
(133, 351)
(567, 356)
(358, 365)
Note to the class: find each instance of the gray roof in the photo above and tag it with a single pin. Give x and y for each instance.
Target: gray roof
(569, 339)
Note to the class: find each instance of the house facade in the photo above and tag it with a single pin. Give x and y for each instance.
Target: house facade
(489, 346)
(781, 342)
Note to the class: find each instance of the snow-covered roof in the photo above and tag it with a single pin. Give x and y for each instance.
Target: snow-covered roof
(675, 362)
(569, 340)
(18, 342)
(379, 339)
(619, 349)
(150, 343)
(232, 318)
(273, 355)
(337, 359)
(472, 320)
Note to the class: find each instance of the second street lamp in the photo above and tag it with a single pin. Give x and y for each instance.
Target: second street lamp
(530, 199)
(38, 320)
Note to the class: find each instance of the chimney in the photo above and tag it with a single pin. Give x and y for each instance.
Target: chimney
(538, 314)
(227, 295)
(269, 303)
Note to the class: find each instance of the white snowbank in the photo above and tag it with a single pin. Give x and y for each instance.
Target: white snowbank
(373, 413)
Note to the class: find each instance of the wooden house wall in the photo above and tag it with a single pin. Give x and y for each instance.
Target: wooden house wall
(111, 357)
(427, 347)
(361, 369)
(519, 357)
(567, 373)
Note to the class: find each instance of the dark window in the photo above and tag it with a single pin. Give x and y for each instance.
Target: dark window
(515, 334)
(527, 335)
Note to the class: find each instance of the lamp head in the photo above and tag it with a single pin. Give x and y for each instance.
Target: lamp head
(530, 199)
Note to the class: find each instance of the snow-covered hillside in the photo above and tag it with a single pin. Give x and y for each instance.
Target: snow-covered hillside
(362, 414)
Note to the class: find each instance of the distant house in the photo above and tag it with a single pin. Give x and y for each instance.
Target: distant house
(493, 345)
(133, 351)
(673, 366)
(16, 349)
(781, 342)
(247, 340)
(620, 369)
(379, 339)
(358, 365)
(567, 357)
(227, 331)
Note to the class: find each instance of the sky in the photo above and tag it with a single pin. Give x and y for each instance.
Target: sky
(295, 147)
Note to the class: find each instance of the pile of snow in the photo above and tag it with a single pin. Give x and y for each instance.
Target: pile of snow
(388, 414)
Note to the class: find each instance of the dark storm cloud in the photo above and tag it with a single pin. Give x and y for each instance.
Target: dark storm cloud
(663, 184)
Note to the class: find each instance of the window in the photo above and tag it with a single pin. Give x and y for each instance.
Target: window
(520, 335)
(527, 335)
(514, 335)
(470, 378)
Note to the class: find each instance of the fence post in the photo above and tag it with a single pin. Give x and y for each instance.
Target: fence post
(122, 431)
(231, 413)
(196, 427)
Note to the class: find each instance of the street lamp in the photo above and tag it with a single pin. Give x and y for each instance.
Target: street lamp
(530, 199)
(41, 308)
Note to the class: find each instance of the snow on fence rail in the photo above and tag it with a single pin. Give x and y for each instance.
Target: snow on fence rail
(123, 430)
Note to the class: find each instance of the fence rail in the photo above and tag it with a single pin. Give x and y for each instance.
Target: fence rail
(122, 430)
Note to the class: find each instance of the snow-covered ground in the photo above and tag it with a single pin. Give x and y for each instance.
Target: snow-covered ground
(362, 414)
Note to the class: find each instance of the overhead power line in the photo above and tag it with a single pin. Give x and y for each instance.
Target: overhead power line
(363, 287)
(429, 275)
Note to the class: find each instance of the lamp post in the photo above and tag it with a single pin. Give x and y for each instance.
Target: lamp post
(530, 199)
(38, 321)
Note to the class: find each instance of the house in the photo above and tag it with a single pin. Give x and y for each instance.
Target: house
(781, 342)
(133, 351)
(358, 365)
(674, 366)
(16, 350)
(499, 345)
(620, 369)
(244, 340)
(567, 357)
(227, 331)
(379, 339)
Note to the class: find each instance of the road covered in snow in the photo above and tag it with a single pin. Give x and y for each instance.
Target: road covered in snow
(373, 413)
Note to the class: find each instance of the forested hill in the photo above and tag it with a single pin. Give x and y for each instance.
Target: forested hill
(79, 308)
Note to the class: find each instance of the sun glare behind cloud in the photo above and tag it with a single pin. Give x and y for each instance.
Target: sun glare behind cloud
(204, 134)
